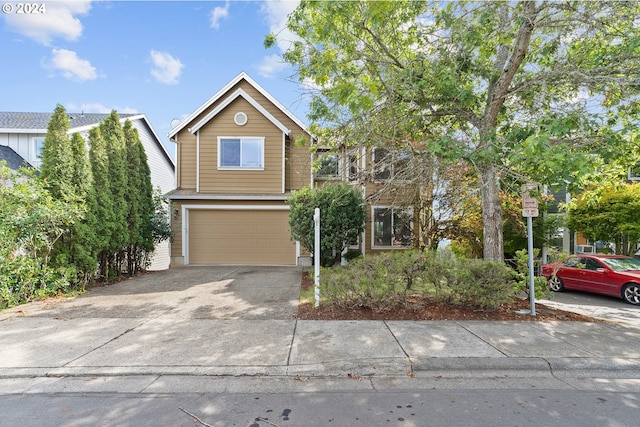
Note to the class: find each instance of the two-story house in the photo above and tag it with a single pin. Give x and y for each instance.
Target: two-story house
(22, 137)
(239, 156)
(389, 196)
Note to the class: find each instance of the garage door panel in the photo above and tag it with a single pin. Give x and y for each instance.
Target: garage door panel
(240, 237)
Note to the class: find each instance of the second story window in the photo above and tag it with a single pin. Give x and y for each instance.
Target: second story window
(241, 153)
(388, 165)
(328, 166)
(39, 146)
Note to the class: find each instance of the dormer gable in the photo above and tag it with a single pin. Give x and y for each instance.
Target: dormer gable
(227, 101)
(190, 122)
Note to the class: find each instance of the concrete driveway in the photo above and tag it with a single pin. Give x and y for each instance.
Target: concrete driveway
(211, 292)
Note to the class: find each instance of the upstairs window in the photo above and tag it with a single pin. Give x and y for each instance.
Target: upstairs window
(241, 153)
(388, 165)
(328, 166)
(354, 167)
(39, 146)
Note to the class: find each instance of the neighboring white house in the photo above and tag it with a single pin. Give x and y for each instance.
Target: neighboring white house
(24, 134)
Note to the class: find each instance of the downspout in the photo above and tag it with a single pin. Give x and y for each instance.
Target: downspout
(198, 161)
(284, 163)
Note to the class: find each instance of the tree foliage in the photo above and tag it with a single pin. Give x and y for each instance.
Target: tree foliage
(31, 222)
(543, 91)
(609, 214)
(141, 203)
(113, 135)
(100, 216)
(57, 166)
(342, 217)
(63, 227)
(66, 174)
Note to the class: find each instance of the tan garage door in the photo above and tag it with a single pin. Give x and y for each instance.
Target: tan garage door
(240, 237)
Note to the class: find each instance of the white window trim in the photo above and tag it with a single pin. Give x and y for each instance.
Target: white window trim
(373, 234)
(31, 155)
(241, 138)
(338, 176)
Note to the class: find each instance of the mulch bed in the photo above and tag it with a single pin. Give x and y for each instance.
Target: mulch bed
(518, 309)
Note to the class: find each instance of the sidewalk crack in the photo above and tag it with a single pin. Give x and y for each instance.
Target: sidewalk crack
(481, 339)
(126, 331)
(410, 373)
(293, 337)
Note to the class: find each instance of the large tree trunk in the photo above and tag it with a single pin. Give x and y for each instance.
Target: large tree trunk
(491, 214)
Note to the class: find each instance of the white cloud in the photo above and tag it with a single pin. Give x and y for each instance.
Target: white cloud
(96, 107)
(271, 65)
(71, 67)
(217, 14)
(276, 13)
(166, 69)
(58, 20)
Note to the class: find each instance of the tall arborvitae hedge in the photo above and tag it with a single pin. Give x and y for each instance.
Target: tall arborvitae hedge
(66, 174)
(113, 135)
(100, 215)
(57, 166)
(82, 241)
(111, 185)
(139, 200)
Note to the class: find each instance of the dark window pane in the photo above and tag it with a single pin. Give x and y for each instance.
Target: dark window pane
(230, 152)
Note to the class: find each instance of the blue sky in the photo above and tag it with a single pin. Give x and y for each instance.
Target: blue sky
(160, 58)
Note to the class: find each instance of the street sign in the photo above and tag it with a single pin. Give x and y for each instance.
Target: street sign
(530, 210)
(529, 203)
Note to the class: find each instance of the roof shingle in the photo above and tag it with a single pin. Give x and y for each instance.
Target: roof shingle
(18, 120)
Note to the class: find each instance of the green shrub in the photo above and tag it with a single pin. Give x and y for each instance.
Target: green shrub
(384, 281)
(365, 283)
(484, 285)
(521, 284)
(23, 279)
(342, 217)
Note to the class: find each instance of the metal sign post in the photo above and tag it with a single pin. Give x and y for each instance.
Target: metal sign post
(316, 256)
(530, 210)
(532, 291)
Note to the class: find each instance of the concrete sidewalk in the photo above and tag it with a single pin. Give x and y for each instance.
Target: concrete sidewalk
(81, 344)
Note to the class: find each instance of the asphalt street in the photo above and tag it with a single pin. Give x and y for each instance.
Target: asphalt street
(223, 343)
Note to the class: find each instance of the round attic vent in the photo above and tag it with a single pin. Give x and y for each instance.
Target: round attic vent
(240, 119)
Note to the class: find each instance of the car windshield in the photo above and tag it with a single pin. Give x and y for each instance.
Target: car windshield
(622, 264)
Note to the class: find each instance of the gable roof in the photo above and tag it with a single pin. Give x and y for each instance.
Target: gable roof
(30, 122)
(222, 92)
(13, 159)
(229, 100)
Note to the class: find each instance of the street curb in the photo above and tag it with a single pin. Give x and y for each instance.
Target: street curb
(481, 366)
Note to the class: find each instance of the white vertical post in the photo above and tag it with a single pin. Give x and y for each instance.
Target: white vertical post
(316, 256)
(532, 291)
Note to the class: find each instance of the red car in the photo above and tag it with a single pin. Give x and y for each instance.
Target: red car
(614, 275)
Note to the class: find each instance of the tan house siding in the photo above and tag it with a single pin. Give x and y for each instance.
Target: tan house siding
(299, 166)
(237, 215)
(186, 153)
(214, 180)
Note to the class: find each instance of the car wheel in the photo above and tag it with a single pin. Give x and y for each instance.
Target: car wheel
(555, 284)
(631, 293)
